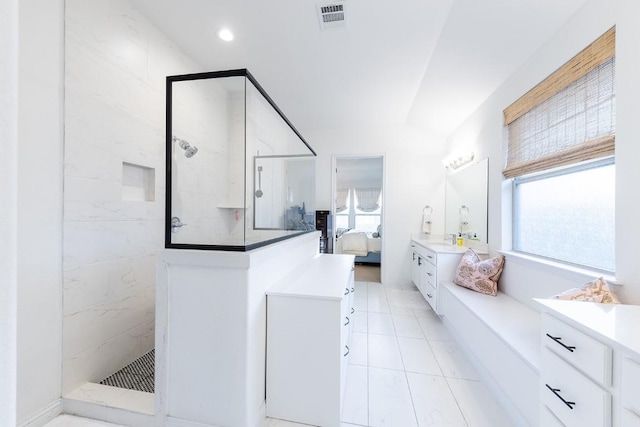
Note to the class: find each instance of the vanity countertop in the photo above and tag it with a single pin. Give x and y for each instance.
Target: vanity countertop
(442, 246)
(616, 323)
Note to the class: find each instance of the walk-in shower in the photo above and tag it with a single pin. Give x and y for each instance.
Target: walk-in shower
(189, 150)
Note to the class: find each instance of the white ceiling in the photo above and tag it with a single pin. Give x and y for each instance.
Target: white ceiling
(429, 63)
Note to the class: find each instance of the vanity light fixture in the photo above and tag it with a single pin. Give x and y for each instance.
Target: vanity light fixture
(225, 34)
(456, 161)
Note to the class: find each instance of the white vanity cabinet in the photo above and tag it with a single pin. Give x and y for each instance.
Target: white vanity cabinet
(433, 263)
(590, 364)
(309, 318)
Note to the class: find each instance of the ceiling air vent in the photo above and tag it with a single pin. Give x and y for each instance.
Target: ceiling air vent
(331, 15)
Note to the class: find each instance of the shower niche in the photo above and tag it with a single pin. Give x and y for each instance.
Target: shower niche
(239, 175)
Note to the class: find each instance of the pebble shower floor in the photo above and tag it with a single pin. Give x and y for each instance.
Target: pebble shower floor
(138, 375)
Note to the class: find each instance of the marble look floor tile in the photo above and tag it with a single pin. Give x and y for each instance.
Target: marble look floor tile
(424, 312)
(384, 352)
(355, 409)
(452, 361)
(410, 299)
(360, 321)
(434, 329)
(433, 401)
(389, 399)
(380, 323)
(404, 311)
(479, 407)
(358, 346)
(378, 304)
(407, 326)
(417, 356)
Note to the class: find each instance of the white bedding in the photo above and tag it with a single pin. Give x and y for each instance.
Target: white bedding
(358, 243)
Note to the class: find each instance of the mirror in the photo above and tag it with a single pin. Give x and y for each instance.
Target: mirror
(466, 201)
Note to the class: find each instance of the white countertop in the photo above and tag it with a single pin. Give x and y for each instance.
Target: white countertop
(324, 276)
(616, 323)
(440, 246)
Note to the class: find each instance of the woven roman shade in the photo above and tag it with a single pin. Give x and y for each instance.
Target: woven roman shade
(567, 118)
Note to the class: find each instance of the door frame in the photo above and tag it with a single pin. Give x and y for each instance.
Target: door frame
(383, 216)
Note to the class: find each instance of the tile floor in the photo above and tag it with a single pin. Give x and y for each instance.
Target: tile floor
(405, 369)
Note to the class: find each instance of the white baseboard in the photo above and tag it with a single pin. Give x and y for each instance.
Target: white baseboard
(45, 415)
(178, 422)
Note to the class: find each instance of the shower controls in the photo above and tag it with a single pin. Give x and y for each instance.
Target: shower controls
(176, 224)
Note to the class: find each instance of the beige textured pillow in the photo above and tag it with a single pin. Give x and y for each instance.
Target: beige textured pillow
(477, 275)
(595, 291)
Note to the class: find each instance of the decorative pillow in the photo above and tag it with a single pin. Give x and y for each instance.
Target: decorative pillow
(595, 291)
(477, 275)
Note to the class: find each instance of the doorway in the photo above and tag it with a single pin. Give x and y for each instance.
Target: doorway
(358, 212)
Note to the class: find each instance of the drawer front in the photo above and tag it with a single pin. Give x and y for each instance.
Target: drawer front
(547, 419)
(579, 349)
(572, 397)
(630, 418)
(431, 296)
(430, 274)
(430, 256)
(631, 384)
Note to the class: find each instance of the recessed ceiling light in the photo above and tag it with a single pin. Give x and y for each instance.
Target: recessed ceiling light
(225, 34)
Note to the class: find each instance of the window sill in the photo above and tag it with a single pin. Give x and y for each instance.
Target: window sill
(554, 267)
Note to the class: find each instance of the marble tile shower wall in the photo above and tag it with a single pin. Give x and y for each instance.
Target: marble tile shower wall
(115, 68)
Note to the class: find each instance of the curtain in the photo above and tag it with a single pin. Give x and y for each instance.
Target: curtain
(368, 199)
(569, 117)
(341, 199)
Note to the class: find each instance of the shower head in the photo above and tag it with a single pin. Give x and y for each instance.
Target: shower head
(189, 151)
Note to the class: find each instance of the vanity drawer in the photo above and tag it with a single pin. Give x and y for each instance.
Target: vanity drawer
(430, 256)
(431, 296)
(630, 418)
(430, 274)
(572, 397)
(580, 350)
(631, 384)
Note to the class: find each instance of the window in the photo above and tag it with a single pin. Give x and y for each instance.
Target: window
(361, 210)
(560, 154)
(568, 214)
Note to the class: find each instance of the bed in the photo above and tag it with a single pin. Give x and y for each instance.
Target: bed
(365, 246)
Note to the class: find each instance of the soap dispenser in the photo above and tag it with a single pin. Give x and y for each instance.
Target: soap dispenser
(460, 239)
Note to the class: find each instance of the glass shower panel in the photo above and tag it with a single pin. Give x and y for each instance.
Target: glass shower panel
(239, 175)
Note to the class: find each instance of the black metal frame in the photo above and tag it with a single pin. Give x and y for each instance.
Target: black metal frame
(242, 72)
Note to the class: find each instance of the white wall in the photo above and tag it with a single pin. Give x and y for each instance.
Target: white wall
(39, 204)
(414, 177)
(116, 68)
(485, 133)
(8, 214)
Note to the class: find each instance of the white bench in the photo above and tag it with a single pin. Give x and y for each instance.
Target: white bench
(501, 337)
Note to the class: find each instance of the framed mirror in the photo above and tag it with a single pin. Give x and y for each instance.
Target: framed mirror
(466, 199)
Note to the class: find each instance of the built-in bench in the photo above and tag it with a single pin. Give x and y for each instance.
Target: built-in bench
(501, 337)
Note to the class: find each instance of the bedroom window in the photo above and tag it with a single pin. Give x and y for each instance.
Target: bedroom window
(361, 210)
(560, 157)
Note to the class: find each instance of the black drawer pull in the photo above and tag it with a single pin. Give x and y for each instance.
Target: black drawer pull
(430, 296)
(429, 256)
(429, 274)
(353, 310)
(347, 353)
(556, 391)
(353, 289)
(346, 317)
(346, 291)
(414, 256)
(419, 261)
(559, 341)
